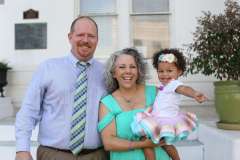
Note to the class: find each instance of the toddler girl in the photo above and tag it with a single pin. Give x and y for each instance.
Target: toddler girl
(164, 120)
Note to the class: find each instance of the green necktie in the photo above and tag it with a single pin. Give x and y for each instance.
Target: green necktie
(79, 111)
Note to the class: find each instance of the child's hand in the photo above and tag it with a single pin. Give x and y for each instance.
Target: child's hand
(162, 142)
(199, 97)
(148, 110)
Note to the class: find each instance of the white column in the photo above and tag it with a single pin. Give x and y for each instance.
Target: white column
(172, 24)
(6, 108)
(123, 9)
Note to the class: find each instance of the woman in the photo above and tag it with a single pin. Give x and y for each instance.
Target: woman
(124, 78)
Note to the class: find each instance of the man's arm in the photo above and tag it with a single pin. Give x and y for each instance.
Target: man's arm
(28, 116)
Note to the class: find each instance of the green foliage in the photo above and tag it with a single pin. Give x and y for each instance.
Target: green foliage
(217, 44)
(4, 66)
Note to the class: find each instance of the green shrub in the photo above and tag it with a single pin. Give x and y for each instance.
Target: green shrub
(216, 43)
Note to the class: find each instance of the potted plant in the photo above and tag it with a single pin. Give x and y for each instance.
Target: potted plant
(216, 44)
(3, 76)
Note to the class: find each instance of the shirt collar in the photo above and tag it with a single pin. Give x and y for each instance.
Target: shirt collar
(74, 60)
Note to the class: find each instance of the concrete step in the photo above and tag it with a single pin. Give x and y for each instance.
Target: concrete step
(219, 144)
(7, 139)
(190, 150)
(8, 150)
(7, 129)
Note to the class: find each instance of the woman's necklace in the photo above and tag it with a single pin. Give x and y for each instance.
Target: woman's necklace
(129, 101)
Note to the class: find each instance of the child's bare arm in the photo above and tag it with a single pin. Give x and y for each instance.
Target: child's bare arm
(190, 92)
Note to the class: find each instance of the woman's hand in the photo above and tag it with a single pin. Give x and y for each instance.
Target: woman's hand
(150, 144)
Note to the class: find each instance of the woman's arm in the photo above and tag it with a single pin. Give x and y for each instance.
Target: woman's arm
(114, 143)
(190, 92)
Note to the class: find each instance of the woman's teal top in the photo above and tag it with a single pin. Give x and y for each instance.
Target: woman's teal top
(123, 121)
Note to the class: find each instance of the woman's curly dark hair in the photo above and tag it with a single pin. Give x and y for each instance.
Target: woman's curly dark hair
(181, 61)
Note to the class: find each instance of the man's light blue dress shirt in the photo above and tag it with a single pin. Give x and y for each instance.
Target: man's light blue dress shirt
(49, 102)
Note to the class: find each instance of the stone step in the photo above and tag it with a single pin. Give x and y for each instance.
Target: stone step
(8, 133)
(190, 150)
(219, 144)
(8, 150)
(7, 139)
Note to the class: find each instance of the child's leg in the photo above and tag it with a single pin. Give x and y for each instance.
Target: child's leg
(172, 151)
(149, 153)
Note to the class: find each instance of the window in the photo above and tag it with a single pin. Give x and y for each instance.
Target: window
(123, 23)
(150, 25)
(104, 13)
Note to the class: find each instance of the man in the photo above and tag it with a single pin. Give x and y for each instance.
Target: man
(51, 98)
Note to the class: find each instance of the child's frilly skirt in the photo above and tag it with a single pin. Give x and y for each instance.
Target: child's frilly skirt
(171, 129)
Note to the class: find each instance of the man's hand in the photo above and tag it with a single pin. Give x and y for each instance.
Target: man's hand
(23, 155)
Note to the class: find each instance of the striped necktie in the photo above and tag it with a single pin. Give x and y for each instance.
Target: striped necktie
(79, 111)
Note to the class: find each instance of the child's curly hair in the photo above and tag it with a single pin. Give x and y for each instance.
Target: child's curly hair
(181, 61)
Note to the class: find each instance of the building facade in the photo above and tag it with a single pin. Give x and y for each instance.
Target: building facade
(145, 24)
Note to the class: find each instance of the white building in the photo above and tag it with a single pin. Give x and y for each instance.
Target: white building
(146, 24)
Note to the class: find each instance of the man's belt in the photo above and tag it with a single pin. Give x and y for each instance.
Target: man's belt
(83, 151)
